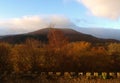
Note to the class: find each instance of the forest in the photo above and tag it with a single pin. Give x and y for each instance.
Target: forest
(58, 54)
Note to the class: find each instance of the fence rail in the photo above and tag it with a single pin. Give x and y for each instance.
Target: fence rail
(103, 75)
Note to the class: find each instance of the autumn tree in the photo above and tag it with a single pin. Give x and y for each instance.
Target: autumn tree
(96, 59)
(114, 52)
(56, 39)
(36, 50)
(56, 43)
(28, 56)
(78, 48)
(5, 51)
(21, 58)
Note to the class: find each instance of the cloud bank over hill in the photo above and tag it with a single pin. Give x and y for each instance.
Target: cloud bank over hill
(103, 8)
(31, 23)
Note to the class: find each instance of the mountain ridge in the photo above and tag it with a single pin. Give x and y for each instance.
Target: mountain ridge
(41, 35)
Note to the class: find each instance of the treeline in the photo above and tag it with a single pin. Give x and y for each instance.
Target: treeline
(59, 55)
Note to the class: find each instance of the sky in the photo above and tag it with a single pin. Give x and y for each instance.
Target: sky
(20, 16)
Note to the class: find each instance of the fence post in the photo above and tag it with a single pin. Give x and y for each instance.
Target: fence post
(118, 74)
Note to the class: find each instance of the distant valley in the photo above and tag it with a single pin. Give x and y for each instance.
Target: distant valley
(101, 32)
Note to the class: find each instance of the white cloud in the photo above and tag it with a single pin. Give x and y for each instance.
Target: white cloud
(103, 8)
(32, 23)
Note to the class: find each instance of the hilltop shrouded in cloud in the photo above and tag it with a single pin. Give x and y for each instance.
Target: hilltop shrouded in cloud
(103, 8)
(27, 24)
(31, 23)
(33, 15)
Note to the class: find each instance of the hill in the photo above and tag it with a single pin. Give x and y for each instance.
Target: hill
(41, 35)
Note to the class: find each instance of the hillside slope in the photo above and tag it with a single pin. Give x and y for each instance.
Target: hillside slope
(41, 35)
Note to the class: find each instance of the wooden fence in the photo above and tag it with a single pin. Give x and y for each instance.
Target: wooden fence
(93, 75)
